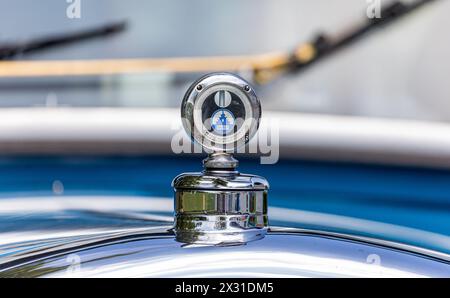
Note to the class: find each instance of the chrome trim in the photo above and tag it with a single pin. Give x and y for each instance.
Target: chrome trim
(218, 160)
(427, 253)
(283, 253)
(223, 181)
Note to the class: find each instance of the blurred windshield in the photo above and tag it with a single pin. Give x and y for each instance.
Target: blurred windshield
(398, 72)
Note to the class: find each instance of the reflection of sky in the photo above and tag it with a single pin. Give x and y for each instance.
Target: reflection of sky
(394, 73)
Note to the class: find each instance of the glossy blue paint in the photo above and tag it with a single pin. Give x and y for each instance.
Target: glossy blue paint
(410, 197)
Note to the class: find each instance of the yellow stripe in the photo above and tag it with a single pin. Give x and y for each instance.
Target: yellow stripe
(120, 66)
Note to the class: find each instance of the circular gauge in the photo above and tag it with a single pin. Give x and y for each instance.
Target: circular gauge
(221, 112)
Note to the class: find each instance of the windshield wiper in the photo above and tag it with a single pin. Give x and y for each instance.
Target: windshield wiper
(322, 46)
(264, 68)
(8, 51)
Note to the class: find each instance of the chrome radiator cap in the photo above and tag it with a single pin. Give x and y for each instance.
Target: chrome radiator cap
(220, 206)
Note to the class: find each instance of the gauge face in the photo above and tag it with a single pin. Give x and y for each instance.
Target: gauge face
(221, 112)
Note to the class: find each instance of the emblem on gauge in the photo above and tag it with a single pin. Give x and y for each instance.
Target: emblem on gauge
(221, 112)
(220, 206)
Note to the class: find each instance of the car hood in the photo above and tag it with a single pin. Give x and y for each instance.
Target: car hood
(132, 237)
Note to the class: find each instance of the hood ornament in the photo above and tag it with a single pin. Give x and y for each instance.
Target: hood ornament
(220, 206)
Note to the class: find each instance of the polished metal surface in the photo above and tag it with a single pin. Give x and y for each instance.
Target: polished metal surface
(240, 104)
(217, 161)
(152, 252)
(220, 206)
(220, 217)
(209, 181)
(128, 239)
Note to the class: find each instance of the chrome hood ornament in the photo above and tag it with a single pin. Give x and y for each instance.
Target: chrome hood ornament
(221, 112)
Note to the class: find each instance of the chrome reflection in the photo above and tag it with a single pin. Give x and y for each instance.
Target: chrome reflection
(362, 227)
(215, 217)
(243, 264)
(289, 254)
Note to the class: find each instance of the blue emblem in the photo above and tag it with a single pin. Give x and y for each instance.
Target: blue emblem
(222, 121)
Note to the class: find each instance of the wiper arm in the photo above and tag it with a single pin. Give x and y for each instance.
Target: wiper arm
(322, 46)
(8, 51)
(265, 67)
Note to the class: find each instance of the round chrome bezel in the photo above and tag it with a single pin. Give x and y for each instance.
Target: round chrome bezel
(191, 112)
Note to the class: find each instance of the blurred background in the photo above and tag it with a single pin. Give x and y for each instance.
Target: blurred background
(399, 71)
